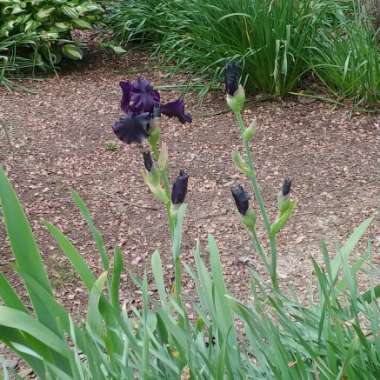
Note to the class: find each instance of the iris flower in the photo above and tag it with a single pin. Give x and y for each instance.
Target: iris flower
(140, 98)
(241, 198)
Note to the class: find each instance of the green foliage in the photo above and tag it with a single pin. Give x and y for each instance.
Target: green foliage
(277, 41)
(36, 33)
(335, 337)
(347, 59)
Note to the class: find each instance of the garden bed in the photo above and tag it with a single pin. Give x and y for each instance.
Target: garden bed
(59, 137)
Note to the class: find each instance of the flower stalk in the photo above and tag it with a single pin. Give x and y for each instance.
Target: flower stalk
(235, 97)
(251, 174)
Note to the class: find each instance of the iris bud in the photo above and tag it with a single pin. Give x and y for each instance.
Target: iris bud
(241, 198)
(180, 188)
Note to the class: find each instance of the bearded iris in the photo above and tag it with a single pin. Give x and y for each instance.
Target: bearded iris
(141, 103)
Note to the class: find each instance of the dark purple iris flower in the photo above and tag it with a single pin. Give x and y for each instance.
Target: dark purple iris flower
(286, 187)
(180, 188)
(141, 102)
(132, 129)
(140, 96)
(241, 198)
(232, 72)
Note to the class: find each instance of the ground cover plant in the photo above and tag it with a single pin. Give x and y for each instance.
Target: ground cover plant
(334, 336)
(279, 42)
(37, 34)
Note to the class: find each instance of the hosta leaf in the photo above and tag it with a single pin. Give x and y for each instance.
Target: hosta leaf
(69, 11)
(44, 13)
(81, 23)
(72, 51)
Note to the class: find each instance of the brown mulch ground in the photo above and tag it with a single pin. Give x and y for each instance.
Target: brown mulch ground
(58, 141)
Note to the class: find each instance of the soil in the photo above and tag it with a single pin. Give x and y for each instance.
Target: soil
(59, 138)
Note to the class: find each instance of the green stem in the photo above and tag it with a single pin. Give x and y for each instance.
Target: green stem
(166, 183)
(260, 200)
(178, 279)
(260, 249)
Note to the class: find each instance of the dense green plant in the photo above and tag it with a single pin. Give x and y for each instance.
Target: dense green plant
(346, 58)
(39, 30)
(333, 336)
(277, 41)
(11, 64)
(140, 22)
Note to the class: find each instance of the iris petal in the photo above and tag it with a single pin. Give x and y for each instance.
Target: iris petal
(132, 129)
(143, 96)
(176, 109)
(138, 96)
(126, 88)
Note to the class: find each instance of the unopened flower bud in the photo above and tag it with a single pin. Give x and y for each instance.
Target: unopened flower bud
(232, 72)
(148, 161)
(286, 187)
(180, 188)
(241, 198)
(285, 207)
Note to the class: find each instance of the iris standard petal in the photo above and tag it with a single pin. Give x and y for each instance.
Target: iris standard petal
(126, 88)
(132, 129)
(143, 97)
(176, 109)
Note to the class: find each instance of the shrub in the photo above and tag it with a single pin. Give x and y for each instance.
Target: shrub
(335, 336)
(40, 30)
